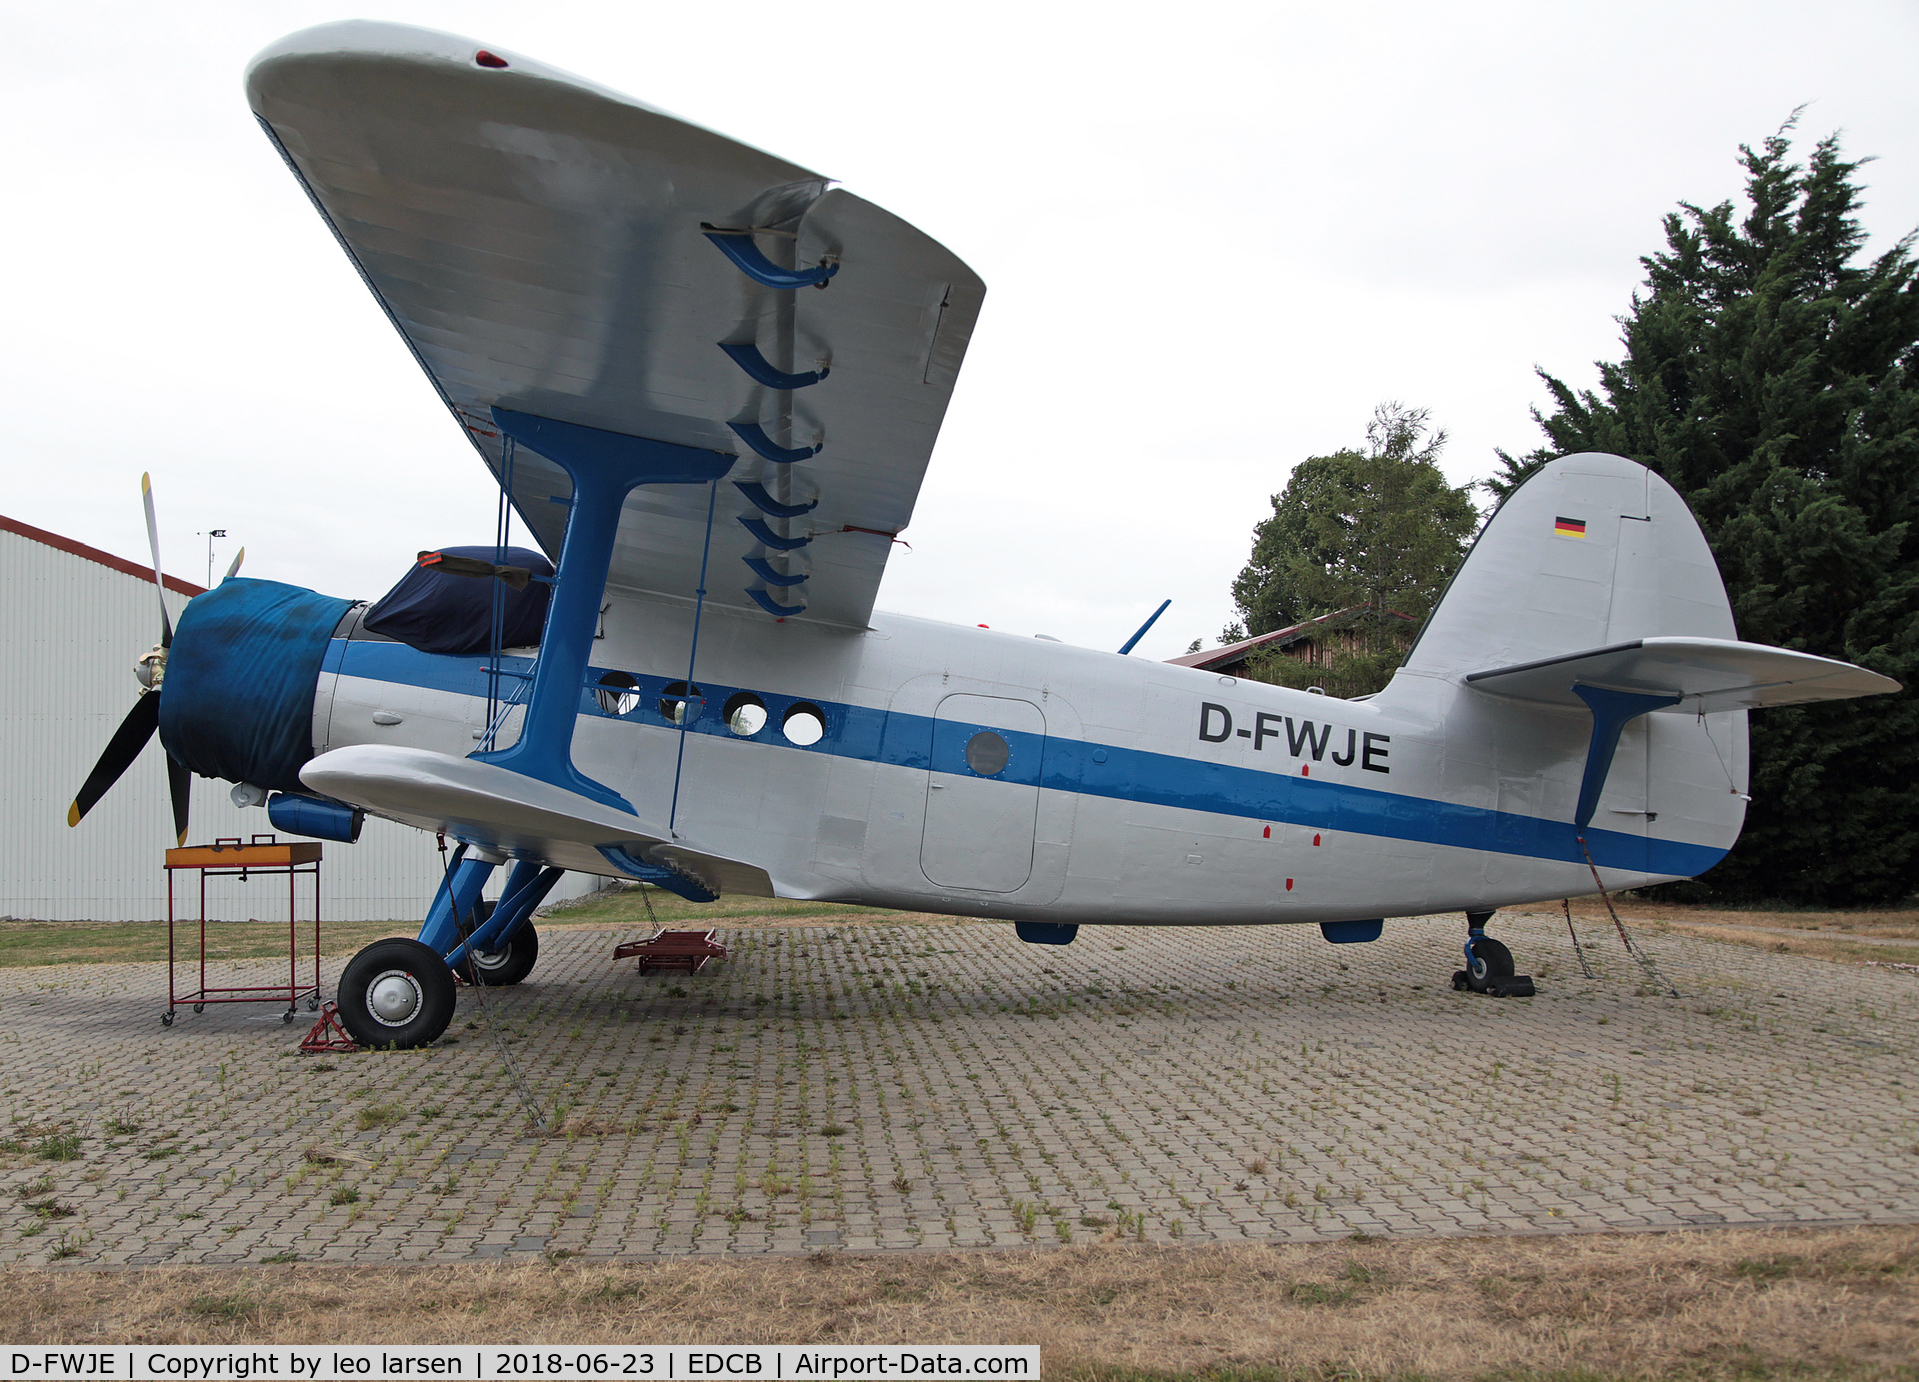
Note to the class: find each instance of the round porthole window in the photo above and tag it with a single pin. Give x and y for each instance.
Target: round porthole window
(987, 752)
(614, 695)
(745, 714)
(803, 724)
(674, 699)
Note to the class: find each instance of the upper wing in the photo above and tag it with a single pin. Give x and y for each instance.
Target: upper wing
(538, 241)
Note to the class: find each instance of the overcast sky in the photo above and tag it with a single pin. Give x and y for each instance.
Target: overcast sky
(1214, 236)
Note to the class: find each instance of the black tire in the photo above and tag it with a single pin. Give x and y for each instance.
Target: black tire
(396, 993)
(1491, 961)
(509, 964)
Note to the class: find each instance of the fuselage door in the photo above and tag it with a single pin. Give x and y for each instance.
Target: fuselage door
(982, 793)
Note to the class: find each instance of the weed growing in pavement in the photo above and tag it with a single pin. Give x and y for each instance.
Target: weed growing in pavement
(59, 1146)
(42, 1185)
(68, 1245)
(378, 1116)
(343, 1196)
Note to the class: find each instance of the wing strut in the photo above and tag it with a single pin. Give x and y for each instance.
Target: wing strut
(604, 466)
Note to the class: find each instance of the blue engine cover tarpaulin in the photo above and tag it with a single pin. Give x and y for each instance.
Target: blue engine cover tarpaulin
(237, 701)
(437, 612)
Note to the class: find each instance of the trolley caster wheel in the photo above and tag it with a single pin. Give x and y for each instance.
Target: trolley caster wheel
(166, 1018)
(287, 1016)
(396, 993)
(313, 1004)
(199, 1007)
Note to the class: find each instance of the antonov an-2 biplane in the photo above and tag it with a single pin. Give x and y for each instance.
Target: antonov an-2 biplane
(710, 382)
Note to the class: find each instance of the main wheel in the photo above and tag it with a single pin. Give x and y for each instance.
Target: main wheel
(1491, 961)
(509, 964)
(396, 993)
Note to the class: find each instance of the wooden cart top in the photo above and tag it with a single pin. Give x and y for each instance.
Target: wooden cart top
(233, 854)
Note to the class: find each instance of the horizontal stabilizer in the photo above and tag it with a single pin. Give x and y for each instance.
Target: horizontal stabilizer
(1707, 674)
(513, 813)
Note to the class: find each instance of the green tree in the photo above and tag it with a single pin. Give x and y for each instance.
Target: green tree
(1378, 528)
(1773, 380)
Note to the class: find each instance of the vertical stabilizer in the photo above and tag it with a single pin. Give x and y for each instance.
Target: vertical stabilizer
(1590, 551)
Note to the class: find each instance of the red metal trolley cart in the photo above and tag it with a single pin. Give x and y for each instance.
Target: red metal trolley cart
(263, 857)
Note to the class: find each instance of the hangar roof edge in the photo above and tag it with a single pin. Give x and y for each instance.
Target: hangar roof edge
(94, 554)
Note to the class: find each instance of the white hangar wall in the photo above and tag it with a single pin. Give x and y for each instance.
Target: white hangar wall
(72, 621)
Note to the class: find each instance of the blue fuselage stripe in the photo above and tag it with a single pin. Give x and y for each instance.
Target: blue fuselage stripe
(1071, 765)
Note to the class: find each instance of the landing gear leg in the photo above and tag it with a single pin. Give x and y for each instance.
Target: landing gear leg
(1489, 964)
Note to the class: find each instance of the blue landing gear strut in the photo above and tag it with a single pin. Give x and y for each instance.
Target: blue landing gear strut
(400, 993)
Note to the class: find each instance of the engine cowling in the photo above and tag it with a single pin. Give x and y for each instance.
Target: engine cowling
(241, 677)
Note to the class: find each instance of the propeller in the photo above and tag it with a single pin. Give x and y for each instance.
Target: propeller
(144, 719)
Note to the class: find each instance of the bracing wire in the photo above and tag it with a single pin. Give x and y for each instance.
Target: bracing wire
(692, 657)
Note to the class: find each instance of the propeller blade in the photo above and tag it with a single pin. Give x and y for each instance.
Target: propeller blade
(159, 578)
(121, 750)
(180, 789)
(234, 569)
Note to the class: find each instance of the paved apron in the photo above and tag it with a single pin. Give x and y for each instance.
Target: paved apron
(922, 1086)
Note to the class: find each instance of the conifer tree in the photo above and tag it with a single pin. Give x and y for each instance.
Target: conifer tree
(1773, 380)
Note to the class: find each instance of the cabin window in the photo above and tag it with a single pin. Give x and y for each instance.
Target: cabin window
(803, 724)
(674, 700)
(746, 714)
(614, 696)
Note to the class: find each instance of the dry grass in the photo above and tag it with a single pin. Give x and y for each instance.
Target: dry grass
(1847, 937)
(1721, 1304)
(25, 944)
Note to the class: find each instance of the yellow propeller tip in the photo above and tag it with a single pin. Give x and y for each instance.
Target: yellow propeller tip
(73, 815)
(146, 482)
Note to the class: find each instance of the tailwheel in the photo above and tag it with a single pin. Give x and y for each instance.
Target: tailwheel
(396, 993)
(509, 964)
(1488, 962)
(1489, 969)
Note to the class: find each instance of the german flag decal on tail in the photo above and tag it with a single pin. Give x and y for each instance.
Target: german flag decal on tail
(1569, 527)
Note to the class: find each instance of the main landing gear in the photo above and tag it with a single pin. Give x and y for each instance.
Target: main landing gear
(396, 993)
(507, 963)
(1489, 964)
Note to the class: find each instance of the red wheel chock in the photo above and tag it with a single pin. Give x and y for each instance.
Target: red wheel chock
(328, 1034)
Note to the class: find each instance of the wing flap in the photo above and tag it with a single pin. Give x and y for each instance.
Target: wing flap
(1708, 674)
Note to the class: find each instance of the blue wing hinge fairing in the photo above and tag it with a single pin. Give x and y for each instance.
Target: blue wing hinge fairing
(764, 570)
(767, 537)
(738, 246)
(672, 879)
(755, 436)
(767, 504)
(763, 371)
